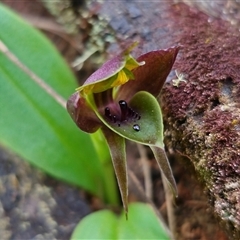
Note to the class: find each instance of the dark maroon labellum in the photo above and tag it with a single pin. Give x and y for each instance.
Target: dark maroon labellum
(127, 114)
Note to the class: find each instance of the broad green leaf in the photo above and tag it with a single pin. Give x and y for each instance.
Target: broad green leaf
(99, 225)
(31, 122)
(142, 224)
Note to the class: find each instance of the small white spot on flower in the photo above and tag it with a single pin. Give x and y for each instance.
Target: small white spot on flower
(180, 78)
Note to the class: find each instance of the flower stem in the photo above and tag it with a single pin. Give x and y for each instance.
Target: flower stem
(146, 171)
(110, 185)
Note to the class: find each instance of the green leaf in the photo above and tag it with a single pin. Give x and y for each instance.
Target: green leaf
(32, 123)
(99, 225)
(142, 224)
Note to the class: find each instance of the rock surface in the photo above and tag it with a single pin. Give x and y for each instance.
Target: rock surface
(201, 113)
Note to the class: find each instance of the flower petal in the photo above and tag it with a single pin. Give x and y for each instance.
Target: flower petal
(151, 76)
(82, 114)
(162, 160)
(108, 71)
(116, 145)
(114, 72)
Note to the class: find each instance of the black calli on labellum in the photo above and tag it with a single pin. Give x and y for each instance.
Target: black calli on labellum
(126, 115)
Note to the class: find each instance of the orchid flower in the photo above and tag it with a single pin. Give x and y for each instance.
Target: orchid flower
(121, 99)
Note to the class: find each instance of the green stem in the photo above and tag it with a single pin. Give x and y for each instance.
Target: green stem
(110, 184)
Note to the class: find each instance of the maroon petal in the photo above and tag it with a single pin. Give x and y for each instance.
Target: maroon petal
(151, 76)
(82, 114)
(113, 73)
(107, 70)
